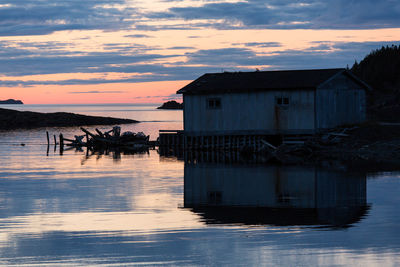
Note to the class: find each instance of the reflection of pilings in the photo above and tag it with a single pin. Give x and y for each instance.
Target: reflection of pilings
(172, 138)
(171, 152)
(223, 142)
(55, 142)
(226, 142)
(211, 156)
(217, 156)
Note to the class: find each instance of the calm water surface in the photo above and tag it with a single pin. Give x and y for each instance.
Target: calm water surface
(120, 209)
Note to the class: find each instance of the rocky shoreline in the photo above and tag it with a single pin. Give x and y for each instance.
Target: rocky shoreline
(13, 119)
(372, 146)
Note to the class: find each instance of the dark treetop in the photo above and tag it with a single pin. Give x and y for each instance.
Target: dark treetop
(381, 70)
(12, 119)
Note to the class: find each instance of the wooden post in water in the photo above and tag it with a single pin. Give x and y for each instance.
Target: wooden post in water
(55, 143)
(48, 143)
(61, 144)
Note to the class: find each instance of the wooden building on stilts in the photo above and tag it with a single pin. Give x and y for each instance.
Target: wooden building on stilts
(231, 110)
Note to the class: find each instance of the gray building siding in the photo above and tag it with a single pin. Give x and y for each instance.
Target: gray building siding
(253, 111)
(340, 101)
(271, 186)
(309, 101)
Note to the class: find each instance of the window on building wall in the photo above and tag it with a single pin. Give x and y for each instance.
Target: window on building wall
(214, 103)
(282, 101)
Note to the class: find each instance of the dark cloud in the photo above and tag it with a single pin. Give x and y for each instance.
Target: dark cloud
(36, 17)
(175, 97)
(53, 57)
(8, 50)
(97, 92)
(261, 44)
(126, 48)
(155, 73)
(138, 36)
(318, 55)
(181, 47)
(307, 14)
(244, 12)
(226, 57)
(147, 97)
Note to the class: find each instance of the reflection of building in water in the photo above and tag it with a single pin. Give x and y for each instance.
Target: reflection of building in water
(259, 194)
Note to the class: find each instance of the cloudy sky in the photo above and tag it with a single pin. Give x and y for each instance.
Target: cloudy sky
(127, 51)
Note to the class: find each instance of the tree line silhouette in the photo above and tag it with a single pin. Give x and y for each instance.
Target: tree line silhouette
(381, 70)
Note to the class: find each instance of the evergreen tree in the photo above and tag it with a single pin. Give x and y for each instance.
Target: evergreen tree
(381, 69)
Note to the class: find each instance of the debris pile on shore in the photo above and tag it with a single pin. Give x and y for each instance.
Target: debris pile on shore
(377, 143)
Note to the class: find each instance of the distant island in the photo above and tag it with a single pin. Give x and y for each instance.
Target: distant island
(171, 105)
(13, 119)
(11, 101)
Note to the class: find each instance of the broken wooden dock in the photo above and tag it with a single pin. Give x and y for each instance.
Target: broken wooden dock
(177, 139)
(109, 139)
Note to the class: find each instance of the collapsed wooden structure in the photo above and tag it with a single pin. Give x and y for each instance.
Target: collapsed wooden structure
(109, 139)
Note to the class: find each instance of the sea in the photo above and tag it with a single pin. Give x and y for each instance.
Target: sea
(113, 208)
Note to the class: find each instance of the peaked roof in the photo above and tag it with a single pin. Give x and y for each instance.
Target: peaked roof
(262, 80)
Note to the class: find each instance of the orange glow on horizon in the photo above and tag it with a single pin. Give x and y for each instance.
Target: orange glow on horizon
(148, 92)
(159, 43)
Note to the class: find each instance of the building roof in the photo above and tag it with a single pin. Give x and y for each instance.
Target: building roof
(231, 82)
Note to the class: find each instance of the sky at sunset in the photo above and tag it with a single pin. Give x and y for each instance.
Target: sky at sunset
(131, 51)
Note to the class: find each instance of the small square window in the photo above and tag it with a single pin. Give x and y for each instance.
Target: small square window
(213, 103)
(286, 101)
(282, 101)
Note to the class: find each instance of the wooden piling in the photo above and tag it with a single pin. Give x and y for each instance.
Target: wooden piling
(48, 138)
(61, 141)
